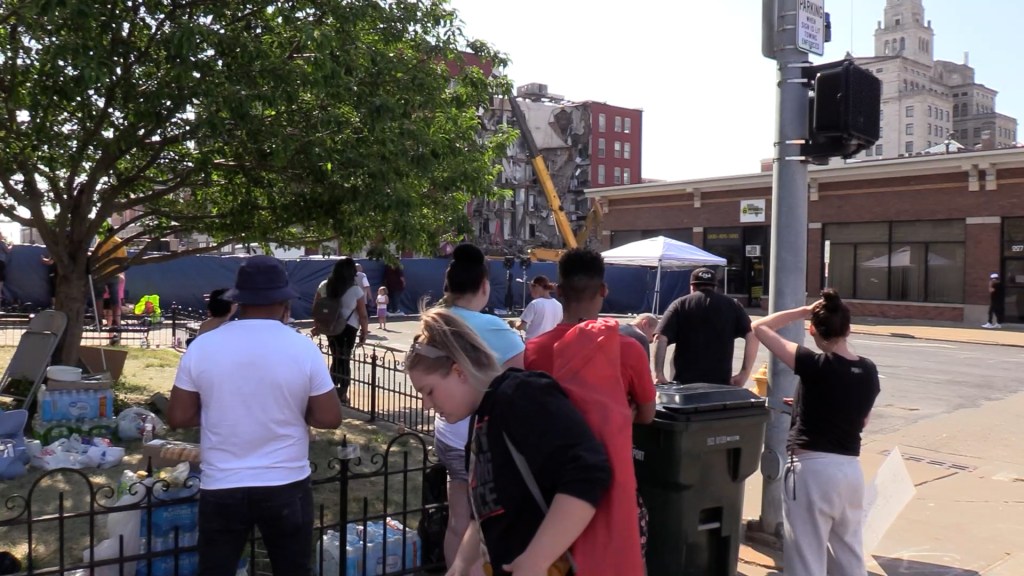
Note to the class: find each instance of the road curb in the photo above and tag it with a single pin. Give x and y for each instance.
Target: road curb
(933, 338)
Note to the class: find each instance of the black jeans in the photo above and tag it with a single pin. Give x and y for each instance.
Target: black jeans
(995, 309)
(341, 346)
(284, 515)
(393, 296)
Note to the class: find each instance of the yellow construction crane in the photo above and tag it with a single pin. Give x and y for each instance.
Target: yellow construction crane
(540, 168)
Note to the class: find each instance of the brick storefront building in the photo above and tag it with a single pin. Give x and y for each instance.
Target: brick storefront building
(909, 238)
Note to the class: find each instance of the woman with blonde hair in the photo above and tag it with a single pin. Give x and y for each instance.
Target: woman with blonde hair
(536, 470)
(466, 292)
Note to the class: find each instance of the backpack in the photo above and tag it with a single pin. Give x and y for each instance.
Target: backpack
(327, 316)
(434, 523)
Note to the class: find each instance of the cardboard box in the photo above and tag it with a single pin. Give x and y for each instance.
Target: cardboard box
(166, 453)
(93, 359)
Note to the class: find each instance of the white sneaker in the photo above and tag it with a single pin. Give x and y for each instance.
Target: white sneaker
(997, 325)
(988, 325)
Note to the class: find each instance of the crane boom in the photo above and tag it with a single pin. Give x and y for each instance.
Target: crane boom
(540, 168)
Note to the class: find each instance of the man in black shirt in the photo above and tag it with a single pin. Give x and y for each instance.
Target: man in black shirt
(703, 326)
(996, 301)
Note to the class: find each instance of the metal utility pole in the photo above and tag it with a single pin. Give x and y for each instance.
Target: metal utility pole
(786, 30)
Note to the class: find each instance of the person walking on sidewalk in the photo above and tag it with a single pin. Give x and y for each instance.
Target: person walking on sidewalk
(996, 302)
(343, 284)
(703, 325)
(823, 486)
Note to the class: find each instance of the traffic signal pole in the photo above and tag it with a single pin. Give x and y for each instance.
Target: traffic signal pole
(788, 282)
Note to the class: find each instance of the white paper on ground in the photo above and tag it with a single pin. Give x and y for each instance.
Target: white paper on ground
(885, 497)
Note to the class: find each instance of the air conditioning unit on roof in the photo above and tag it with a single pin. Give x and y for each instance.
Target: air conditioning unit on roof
(532, 90)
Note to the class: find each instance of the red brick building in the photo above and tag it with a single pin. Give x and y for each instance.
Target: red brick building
(615, 139)
(908, 238)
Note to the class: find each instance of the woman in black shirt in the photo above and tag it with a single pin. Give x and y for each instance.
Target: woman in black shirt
(824, 486)
(514, 412)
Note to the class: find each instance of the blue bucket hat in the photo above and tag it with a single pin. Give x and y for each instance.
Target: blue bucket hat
(261, 280)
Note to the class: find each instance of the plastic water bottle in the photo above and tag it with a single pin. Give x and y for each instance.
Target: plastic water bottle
(45, 408)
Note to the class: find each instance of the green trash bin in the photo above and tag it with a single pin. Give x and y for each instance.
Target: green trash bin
(691, 463)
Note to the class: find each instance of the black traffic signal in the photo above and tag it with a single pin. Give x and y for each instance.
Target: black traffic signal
(844, 112)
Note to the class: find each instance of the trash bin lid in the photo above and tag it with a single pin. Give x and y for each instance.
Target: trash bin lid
(692, 398)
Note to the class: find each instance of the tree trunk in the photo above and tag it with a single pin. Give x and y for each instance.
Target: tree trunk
(72, 292)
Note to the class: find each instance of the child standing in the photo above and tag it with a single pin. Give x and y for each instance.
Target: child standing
(382, 308)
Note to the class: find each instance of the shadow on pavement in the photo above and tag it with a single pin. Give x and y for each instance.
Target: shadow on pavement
(894, 566)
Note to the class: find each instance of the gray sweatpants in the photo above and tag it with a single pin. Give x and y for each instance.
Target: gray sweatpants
(823, 516)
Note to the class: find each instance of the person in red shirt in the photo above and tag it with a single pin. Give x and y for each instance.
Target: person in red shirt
(579, 352)
(582, 290)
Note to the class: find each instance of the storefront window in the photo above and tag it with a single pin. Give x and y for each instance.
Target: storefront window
(921, 261)
(946, 273)
(872, 272)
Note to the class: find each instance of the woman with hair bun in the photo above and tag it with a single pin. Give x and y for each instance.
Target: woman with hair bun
(466, 292)
(823, 486)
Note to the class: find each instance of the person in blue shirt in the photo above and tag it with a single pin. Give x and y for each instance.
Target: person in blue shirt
(466, 292)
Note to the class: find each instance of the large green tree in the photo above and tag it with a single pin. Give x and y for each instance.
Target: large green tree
(263, 121)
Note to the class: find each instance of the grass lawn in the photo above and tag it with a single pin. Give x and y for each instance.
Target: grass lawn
(149, 371)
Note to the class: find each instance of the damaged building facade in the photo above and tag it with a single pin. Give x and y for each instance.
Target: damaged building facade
(585, 145)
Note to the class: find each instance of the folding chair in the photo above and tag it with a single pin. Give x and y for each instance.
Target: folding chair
(32, 357)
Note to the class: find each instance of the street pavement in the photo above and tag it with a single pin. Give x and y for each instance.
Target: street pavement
(961, 450)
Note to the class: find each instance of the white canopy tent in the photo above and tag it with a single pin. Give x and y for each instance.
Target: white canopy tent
(661, 253)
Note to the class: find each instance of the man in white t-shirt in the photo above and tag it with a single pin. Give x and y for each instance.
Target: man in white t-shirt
(364, 282)
(255, 386)
(543, 312)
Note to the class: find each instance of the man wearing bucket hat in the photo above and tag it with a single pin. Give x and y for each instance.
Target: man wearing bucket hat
(255, 385)
(704, 325)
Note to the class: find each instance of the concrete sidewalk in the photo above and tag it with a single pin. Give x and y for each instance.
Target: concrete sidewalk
(967, 517)
(1008, 335)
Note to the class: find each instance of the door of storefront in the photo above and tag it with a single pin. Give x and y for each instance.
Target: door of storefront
(1013, 268)
(746, 249)
(1013, 280)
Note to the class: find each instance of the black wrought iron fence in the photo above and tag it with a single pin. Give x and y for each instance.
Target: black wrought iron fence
(367, 513)
(173, 326)
(380, 389)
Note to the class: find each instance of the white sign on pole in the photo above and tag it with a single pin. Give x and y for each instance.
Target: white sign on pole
(810, 27)
(884, 499)
(828, 255)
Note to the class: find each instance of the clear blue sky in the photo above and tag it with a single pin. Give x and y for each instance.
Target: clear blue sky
(663, 56)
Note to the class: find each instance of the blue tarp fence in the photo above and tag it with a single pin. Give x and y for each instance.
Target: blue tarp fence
(185, 280)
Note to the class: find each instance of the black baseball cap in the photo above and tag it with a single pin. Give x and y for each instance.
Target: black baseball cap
(703, 276)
